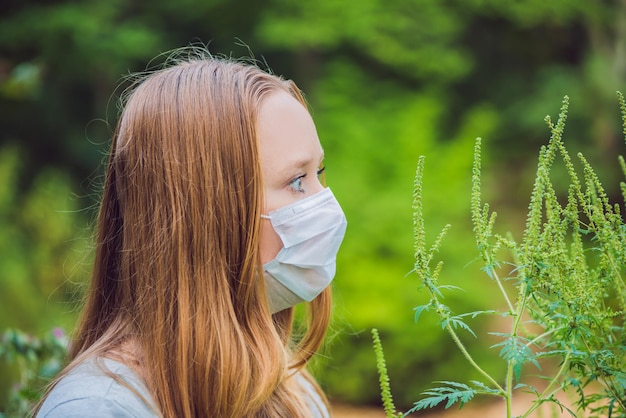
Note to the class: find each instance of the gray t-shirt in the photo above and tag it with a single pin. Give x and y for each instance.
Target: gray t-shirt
(87, 391)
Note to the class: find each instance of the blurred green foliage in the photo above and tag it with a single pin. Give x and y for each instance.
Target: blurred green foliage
(37, 360)
(41, 245)
(44, 246)
(387, 81)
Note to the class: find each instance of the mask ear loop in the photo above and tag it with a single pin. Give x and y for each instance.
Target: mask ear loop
(265, 216)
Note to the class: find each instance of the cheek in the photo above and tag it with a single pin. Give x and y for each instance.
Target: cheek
(269, 241)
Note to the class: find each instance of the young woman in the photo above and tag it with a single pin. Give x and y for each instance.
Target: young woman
(213, 224)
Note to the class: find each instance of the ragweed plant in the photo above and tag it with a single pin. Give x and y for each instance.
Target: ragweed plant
(37, 360)
(564, 296)
(385, 389)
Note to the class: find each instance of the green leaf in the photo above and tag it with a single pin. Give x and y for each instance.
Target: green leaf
(456, 322)
(418, 311)
(484, 388)
(449, 287)
(452, 393)
(516, 351)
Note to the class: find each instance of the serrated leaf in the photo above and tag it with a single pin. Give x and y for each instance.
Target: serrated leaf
(530, 389)
(476, 313)
(450, 287)
(452, 393)
(456, 322)
(551, 353)
(515, 351)
(484, 388)
(418, 311)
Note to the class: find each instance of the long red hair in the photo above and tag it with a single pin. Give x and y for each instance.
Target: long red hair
(177, 268)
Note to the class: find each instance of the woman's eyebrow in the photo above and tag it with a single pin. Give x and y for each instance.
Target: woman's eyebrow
(299, 164)
(296, 165)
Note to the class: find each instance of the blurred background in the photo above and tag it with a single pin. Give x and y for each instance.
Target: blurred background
(387, 81)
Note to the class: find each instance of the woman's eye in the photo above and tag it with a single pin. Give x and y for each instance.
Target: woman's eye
(296, 184)
(321, 176)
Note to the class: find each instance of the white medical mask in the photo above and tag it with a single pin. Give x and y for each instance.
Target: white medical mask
(311, 230)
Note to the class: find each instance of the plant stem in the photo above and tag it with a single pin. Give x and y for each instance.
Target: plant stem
(521, 305)
(607, 384)
(501, 287)
(611, 387)
(618, 275)
(509, 388)
(548, 388)
(539, 337)
(471, 360)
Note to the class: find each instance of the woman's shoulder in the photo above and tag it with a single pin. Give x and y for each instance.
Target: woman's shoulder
(88, 390)
(314, 399)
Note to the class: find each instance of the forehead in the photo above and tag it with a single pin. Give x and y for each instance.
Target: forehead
(287, 134)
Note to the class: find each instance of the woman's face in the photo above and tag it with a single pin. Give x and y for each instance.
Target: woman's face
(291, 156)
